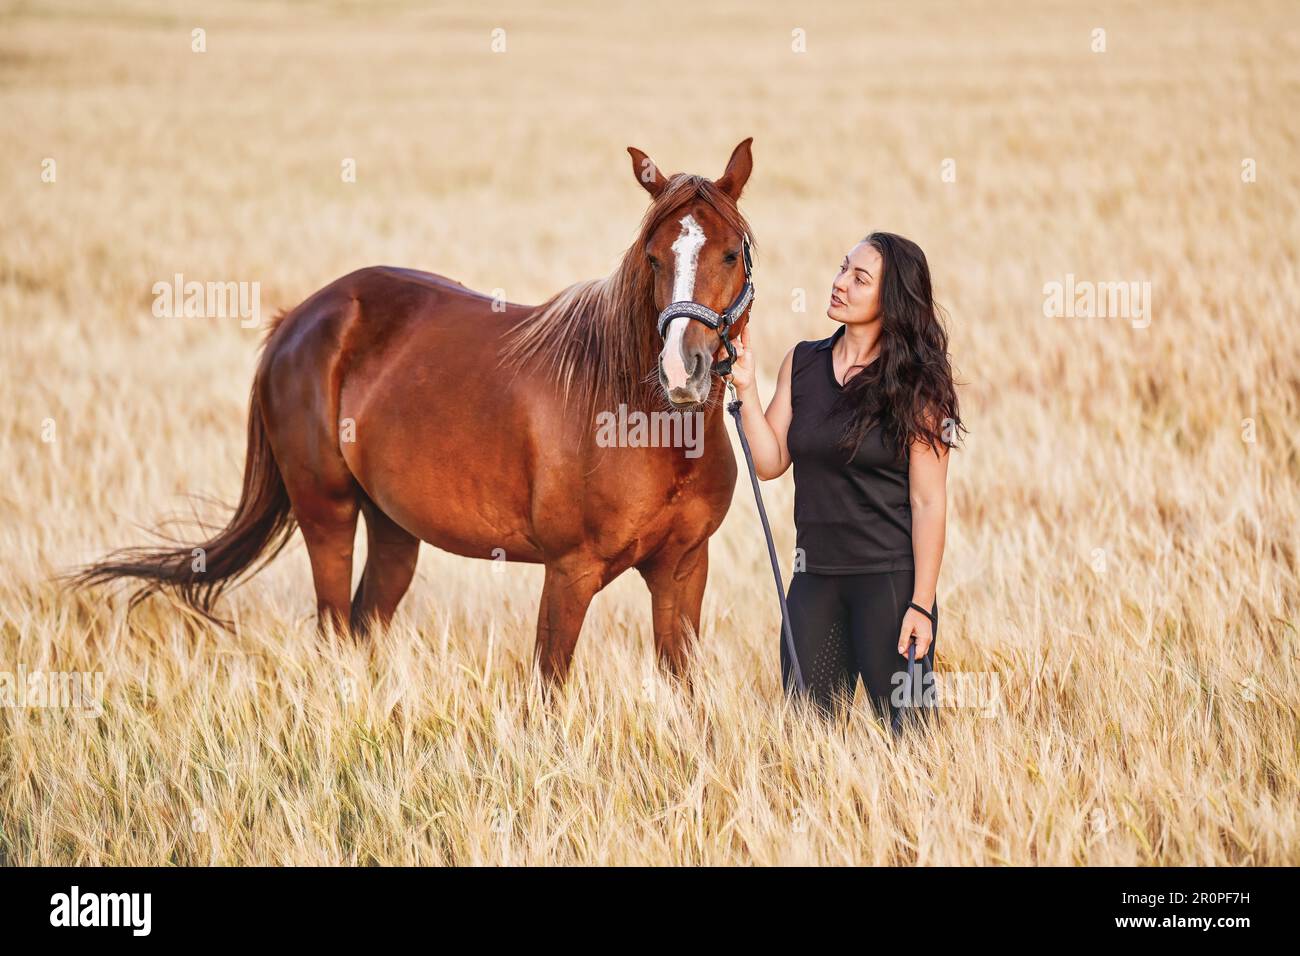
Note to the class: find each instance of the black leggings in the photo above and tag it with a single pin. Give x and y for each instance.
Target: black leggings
(846, 625)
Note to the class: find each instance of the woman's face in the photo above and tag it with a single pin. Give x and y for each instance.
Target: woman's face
(855, 293)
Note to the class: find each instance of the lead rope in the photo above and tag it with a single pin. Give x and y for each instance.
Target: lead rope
(908, 684)
(734, 408)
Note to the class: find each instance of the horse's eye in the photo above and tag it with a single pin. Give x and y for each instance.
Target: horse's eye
(731, 257)
(654, 263)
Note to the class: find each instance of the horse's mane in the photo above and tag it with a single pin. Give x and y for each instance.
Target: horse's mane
(598, 338)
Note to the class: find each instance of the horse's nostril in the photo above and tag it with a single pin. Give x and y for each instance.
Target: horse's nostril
(696, 361)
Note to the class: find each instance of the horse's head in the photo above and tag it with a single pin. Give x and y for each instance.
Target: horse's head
(696, 251)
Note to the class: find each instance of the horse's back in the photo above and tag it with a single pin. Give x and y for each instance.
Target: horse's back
(377, 276)
(361, 317)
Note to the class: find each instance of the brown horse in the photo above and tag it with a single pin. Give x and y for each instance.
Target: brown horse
(446, 416)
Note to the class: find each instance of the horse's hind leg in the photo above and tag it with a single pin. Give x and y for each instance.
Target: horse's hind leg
(329, 527)
(322, 492)
(391, 556)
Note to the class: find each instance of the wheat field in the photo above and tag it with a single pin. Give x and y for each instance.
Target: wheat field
(1124, 518)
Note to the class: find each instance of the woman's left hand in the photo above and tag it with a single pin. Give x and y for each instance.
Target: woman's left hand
(916, 626)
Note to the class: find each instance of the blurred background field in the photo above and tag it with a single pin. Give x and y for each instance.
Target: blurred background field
(1124, 521)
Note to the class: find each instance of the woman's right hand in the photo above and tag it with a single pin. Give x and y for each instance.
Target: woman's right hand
(742, 369)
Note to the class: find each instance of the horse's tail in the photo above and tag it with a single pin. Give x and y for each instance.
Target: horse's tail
(259, 529)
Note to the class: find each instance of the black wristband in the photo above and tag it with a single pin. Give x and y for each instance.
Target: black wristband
(917, 607)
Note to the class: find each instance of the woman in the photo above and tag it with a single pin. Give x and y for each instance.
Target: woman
(869, 518)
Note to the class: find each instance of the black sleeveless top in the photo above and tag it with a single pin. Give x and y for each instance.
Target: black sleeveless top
(851, 516)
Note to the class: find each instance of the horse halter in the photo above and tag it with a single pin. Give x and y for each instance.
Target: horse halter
(719, 323)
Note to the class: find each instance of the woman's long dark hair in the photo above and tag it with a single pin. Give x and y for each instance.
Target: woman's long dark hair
(909, 388)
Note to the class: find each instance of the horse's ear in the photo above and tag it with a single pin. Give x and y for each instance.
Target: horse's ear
(738, 169)
(646, 172)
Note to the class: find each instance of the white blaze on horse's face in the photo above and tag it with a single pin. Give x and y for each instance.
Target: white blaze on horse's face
(686, 251)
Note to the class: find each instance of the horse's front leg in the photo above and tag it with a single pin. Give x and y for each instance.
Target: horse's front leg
(566, 595)
(676, 579)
